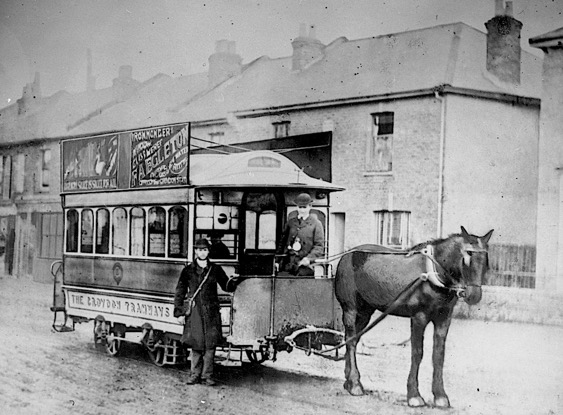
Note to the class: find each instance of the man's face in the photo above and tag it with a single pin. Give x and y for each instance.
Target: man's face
(303, 210)
(201, 253)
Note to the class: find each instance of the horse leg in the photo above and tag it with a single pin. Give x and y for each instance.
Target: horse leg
(418, 325)
(441, 327)
(354, 322)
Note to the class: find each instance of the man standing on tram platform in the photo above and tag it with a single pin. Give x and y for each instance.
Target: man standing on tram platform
(303, 239)
(201, 313)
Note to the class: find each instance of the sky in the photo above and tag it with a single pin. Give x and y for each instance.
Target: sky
(176, 37)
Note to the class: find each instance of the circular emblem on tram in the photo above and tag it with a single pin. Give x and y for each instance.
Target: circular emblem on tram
(222, 218)
(117, 272)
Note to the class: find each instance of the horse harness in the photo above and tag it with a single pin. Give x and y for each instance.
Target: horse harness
(433, 276)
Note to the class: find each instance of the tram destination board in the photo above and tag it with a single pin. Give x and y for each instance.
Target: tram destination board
(146, 158)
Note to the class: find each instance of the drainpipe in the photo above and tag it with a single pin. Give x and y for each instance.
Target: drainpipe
(439, 94)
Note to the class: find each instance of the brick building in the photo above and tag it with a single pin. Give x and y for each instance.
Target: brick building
(429, 129)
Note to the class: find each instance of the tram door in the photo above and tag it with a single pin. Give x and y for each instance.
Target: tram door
(262, 213)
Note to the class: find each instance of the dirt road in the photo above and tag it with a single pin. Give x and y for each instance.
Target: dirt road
(491, 368)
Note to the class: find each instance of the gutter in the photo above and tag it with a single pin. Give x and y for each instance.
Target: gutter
(444, 88)
(440, 219)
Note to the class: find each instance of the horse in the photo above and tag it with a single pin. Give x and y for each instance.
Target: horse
(423, 283)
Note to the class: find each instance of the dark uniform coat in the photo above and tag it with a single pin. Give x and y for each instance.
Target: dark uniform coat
(310, 235)
(203, 327)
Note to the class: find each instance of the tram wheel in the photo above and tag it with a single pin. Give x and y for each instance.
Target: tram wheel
(257, 357)
(156, 348)
(113, 346)
(100, 334)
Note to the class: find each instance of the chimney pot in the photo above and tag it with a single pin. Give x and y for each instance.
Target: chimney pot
(224, 63)
(509, 8)
(499, 7)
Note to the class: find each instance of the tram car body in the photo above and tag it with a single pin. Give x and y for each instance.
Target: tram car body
(133, 204)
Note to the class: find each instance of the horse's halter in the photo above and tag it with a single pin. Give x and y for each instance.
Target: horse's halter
(433, 276)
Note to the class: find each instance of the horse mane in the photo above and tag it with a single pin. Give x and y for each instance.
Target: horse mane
(434, 242)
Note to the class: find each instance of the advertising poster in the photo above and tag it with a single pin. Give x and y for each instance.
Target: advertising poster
(90, 164)
(159, 157)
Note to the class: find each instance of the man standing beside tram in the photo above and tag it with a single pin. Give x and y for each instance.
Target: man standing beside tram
(201, 313)
(303, 239)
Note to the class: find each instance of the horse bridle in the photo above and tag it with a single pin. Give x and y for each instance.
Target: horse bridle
(433, 276)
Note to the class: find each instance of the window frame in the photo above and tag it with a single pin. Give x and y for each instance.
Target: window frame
(128, 209)
(380, 141)
(384, 221)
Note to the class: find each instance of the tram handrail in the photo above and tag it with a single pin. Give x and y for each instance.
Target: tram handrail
(57, 262)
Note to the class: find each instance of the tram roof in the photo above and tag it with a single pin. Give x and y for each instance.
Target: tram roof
(261, 168)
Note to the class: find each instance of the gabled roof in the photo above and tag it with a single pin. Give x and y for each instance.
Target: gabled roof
(349, 71)
(149, 106)
(453, 54)
(50, 116)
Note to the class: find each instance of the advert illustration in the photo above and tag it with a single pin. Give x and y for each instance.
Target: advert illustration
(90, 164)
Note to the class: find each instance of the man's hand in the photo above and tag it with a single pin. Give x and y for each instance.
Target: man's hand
(182, 320)
(305, 262)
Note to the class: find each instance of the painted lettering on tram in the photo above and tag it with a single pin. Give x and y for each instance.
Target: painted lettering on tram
(129, 307)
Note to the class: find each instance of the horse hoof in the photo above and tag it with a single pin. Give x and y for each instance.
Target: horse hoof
(416, 402)
(442, 402)
(354, 390)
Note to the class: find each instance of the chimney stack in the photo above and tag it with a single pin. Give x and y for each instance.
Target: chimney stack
(306, 48)
(503, 43)
(124, 85)
(224, 63)
(31, 94)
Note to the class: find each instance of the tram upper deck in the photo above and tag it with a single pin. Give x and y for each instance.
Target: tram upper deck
(135, 201)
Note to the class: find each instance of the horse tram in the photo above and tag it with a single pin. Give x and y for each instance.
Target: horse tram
(135, 201)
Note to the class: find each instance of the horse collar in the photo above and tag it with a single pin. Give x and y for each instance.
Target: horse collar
(431, 273)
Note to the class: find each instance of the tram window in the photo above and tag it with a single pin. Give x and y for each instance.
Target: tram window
(157, 226)
(102, 231)
(137, 232)
(178, 232)
(250, 242)
(119, 223)
(87, 237)
(72, 231)
(267, 230)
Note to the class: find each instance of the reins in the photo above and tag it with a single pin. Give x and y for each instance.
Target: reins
(432, 276)
(406, 292)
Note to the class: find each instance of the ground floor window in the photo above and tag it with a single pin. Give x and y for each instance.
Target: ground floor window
(51, 237)
(392, 228)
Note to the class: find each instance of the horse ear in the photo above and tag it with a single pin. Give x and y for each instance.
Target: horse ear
(486, 237)
(464, 232)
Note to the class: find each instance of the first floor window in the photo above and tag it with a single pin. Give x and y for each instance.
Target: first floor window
(45, 169)
(379, 154)
(281, 129)
(392, 228)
